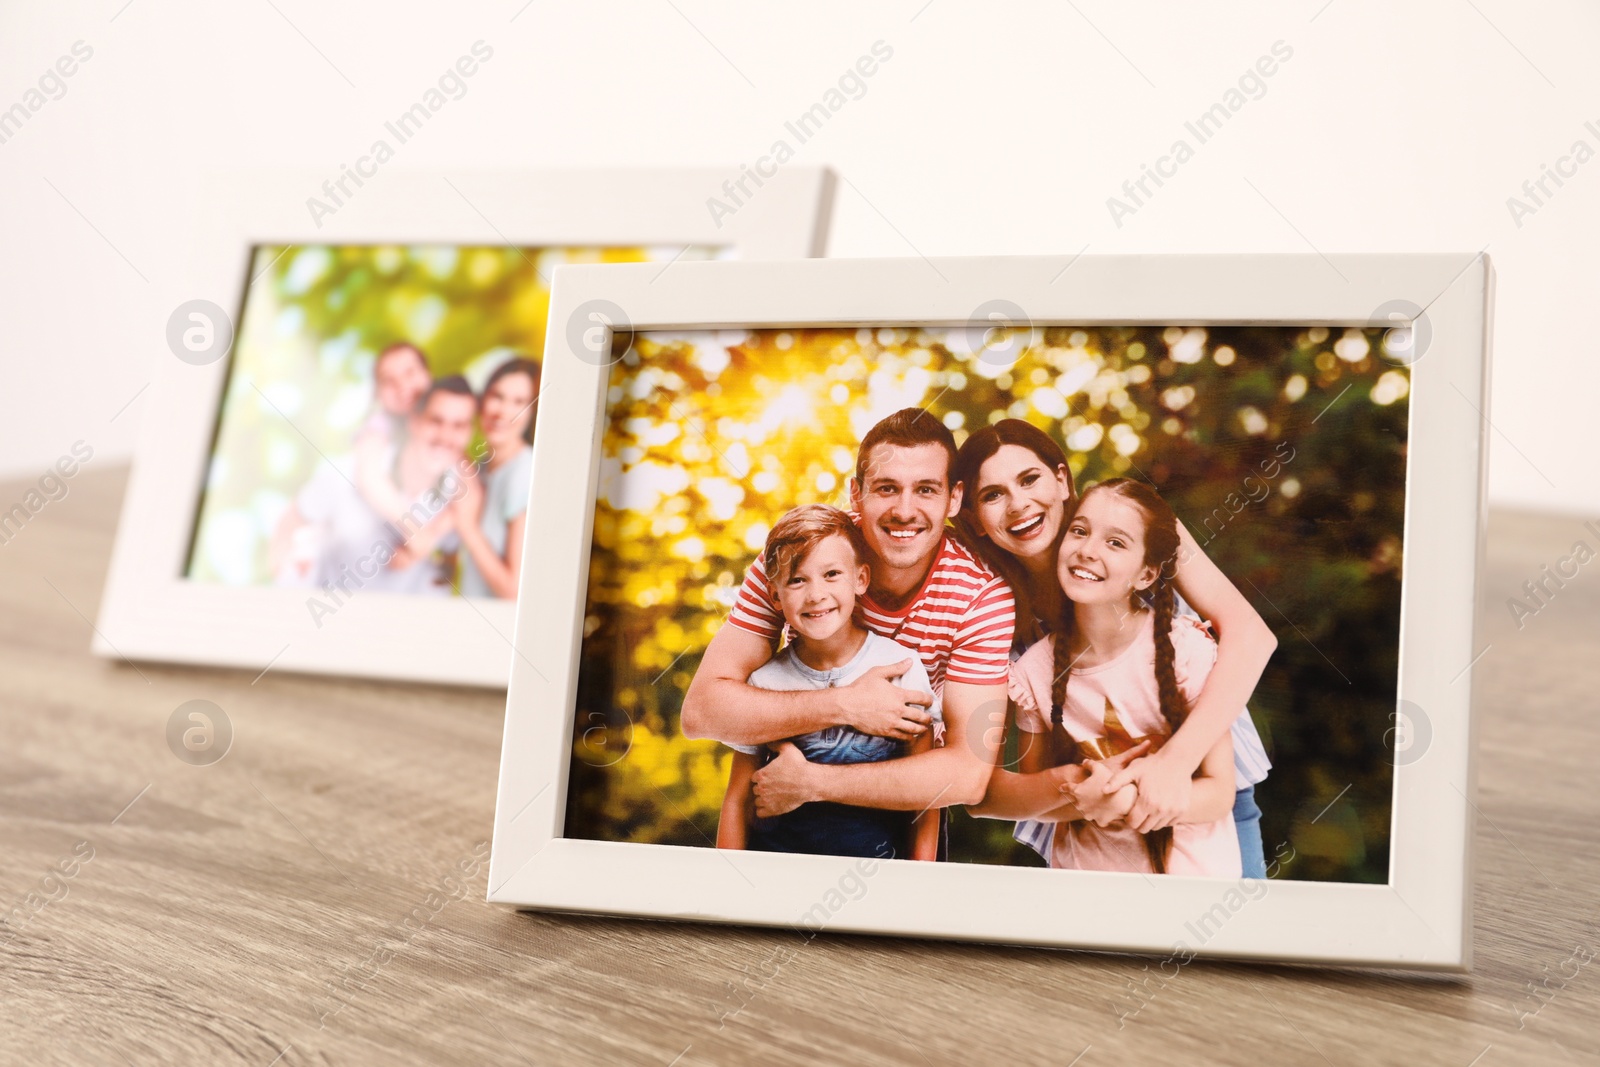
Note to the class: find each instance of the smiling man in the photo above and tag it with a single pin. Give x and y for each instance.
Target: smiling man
(927, 592)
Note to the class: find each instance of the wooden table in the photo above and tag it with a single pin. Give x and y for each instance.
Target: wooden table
(284, 904)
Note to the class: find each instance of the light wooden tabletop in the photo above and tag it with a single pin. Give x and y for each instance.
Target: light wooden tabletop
(294, 902)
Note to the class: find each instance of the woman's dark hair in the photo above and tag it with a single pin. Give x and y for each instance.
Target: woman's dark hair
(975, 451)
(518, 365)
(1160, 552)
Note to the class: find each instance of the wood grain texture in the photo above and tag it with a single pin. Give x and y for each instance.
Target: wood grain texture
(256, 910)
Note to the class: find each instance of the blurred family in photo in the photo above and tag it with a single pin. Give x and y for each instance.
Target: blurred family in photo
(416, 506)
(375, 430)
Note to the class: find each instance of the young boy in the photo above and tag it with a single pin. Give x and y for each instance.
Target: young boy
(815, 557)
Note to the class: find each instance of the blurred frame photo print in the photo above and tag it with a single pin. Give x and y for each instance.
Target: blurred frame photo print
(1113, 602)
(335, 458)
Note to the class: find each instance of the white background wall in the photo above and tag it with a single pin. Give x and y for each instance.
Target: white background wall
(995, 128)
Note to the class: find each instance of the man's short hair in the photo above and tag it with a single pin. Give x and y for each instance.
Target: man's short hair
(906, 428)
(398, 347)
(800, 530)
(453, 383)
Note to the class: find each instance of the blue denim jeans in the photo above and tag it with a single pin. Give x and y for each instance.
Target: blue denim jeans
(826, 829)
(1247, 819)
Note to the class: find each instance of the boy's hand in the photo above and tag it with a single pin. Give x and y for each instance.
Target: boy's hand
(783, 784)
(1164, 789)
(874, 705)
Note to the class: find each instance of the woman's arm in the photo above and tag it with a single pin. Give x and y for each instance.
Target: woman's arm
(734, 825)
(499, 574)
(1213, 793)
(1244, 645)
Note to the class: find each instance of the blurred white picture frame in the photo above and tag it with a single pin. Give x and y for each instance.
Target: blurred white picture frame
(151, 612)
(1421, 919)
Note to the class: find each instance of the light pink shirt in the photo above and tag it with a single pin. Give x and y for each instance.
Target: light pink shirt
(1111, 706)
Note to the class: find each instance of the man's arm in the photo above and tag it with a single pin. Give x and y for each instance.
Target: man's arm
(722, 704)
(1038, 791)
(1014, 795)
(958, 773)
(974, 717)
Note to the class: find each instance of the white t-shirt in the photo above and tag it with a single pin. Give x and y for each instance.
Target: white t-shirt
(844, 744)
(352, 535)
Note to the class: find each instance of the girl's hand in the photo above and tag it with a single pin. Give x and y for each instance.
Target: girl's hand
(1099, 806)
(1163, 788)
(468, 508)
(1068, 777)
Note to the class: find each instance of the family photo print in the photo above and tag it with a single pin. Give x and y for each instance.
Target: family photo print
(974, 558)
(1119, 596)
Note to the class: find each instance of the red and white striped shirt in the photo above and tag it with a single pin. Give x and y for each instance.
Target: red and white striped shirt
(960, 621)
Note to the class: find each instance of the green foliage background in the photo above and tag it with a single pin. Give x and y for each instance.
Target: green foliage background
(712, 437)
(300, 381)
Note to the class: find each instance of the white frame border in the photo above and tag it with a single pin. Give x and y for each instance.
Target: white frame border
(150, 612)
(1421, 919)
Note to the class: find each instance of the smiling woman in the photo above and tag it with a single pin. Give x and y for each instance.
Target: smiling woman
(1019, 482)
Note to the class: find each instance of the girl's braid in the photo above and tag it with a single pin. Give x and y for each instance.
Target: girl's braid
(1062, 747)
(1173, 707)
(1161, 552)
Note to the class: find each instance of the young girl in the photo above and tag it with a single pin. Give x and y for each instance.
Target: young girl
(1117, 676)
(400, 375)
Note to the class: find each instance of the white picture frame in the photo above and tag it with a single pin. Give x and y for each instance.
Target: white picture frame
(1420, 920)
(150, 612)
